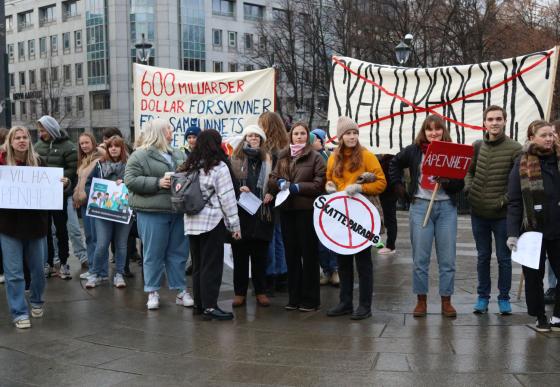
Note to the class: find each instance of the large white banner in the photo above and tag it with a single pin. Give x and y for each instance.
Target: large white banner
(390, 103)
(31, 188)
(226, 102)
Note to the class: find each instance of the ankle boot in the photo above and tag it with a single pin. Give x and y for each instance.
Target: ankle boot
(238, 301)
(263, 300)
(421, 308)
(446, 308)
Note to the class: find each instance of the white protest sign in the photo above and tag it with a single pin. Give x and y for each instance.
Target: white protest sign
(346, 224)
(390, 103)
(528, 252)
(226, 102)
(31, 188)
(109, 201)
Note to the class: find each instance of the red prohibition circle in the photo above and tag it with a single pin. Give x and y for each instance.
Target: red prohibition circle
(349, 246)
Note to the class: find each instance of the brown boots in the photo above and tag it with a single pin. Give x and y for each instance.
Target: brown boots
(446, 308)
(421, 308)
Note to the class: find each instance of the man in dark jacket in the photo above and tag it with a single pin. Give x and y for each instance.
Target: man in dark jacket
(486, 185)
(56, 150)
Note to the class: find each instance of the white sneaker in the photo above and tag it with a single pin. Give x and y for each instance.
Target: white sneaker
(64, 272)
(2, 279)
(184, 298)
(93, 281)
(153, 301)
(36, 311)
(23, 324)
(85, 276)
(118, 281)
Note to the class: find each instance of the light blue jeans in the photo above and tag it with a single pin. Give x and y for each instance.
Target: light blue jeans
(106, 232)
(165, 247)
(91, 238)
(14, 251)
(75, 232)
(442, 225)
(276, 262)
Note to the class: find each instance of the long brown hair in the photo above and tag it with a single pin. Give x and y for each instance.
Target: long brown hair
(356, 158)
(83, 156)
(31, 158)
(427, 124)
(276, 135)
(116, 141)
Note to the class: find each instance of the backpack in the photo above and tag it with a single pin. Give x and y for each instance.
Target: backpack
(186, 195)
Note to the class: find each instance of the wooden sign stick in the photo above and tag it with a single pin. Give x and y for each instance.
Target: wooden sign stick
(429, 211)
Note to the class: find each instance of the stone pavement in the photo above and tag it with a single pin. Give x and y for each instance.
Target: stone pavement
(106, 336)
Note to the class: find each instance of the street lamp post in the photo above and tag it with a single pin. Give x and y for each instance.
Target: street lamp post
(143, 50)
(404, 49)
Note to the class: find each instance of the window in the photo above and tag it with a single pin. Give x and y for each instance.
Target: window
(44, 76)
(43, 47)
(54, 45)
(31, 48)
(101, 101)
(233, 67)
(218, 67)
(47, 15)
(23, 108)
(13, 108)
(223, 7)
(9, 23)
(11, 52)
(78, 40)
(32, 109)
(70, 9)
(248, 42)
(12, 80)
(68, 105)
(232, 39)
(253, 12)
(54, 74)
(249, 67)
(78, 70)
(66, 42)
(217, 38)
(67, 74)
(262, 42)
(25, 20)
(21, 51)
(80, 103)
(22, 79)
(32, 81)
(191, 64)
(55, 106)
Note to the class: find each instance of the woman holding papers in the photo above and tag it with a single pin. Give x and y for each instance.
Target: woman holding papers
(207, 229)
(348, 169)
(442, 223)
(301, 171)
(251, 166)
(110, 167)
(534, 205)
(23, 234)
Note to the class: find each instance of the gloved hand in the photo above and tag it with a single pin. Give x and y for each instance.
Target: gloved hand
(512, 243)
(353, 189)
(294, 188)
(283, 184)
(366, 177)
(330, 187)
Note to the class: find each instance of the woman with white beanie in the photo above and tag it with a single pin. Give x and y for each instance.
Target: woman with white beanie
(251, 166)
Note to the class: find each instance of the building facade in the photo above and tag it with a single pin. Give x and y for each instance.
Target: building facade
(73, 59)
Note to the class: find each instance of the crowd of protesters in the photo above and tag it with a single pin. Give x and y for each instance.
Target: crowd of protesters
(511, 188)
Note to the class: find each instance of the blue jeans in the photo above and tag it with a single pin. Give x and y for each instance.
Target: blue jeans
(14, 250)
(75, 232)
(327, 260)
(482, 231)
(165, 247)
(91, 238)
(276, 263)
(442, 225)
(106, 232)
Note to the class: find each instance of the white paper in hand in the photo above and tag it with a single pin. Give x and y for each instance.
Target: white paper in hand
(281, 197)
(249, 202)
(528, 251)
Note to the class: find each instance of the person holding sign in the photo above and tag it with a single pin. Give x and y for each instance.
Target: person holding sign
(442, 222)
(110, 167)
(301, 171)
(251, 166)
(348, 169)
(23, 235)
(148, 178)
(534, 205)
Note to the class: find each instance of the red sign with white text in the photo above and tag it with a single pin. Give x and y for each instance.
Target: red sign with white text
(447, 159)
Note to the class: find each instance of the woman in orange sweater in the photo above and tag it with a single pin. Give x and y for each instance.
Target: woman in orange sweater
(354, 169)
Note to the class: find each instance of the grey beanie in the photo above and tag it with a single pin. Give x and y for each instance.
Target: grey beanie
(50, 125)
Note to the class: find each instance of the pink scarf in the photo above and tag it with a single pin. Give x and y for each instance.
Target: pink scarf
(295, 149)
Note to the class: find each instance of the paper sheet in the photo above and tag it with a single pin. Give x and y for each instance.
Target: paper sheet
(281, 197)
(528, 251)
(249, 202)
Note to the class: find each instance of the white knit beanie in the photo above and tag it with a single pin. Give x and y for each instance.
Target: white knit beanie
(254, 129)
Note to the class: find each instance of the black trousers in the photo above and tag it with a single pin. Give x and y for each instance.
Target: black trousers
(59, 219)
(534, 292)
(258, 251)
(207, 253)
(364, 267)
(302, 258)
(389, 205)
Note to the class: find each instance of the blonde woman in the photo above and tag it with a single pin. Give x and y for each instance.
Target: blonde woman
(148, 179)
